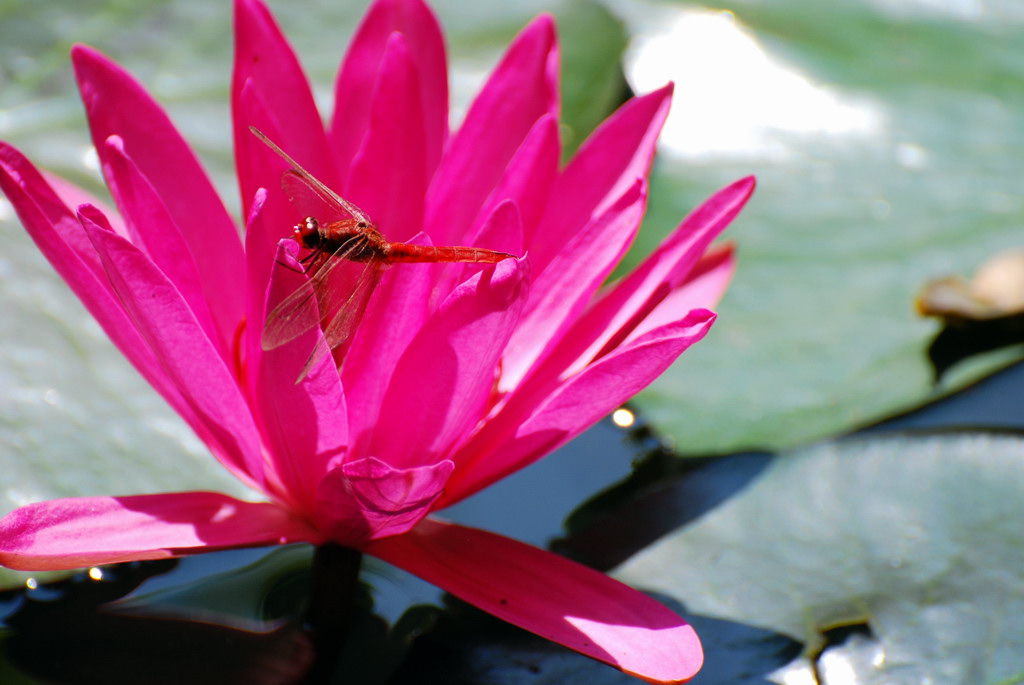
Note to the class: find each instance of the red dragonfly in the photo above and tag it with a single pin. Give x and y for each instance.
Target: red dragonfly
(343, 233)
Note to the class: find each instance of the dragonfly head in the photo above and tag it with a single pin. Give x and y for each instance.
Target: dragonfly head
(307, 233)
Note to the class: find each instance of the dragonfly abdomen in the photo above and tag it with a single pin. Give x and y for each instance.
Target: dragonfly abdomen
(404, 252)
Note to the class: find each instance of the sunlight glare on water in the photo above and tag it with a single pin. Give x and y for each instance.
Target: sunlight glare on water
(623, 418)
(90, 158)
(799, 672)
(731, 96)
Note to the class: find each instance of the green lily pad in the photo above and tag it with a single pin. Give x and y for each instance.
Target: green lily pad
(886, 141)
(262, 585)
(593, 84)
(918, 537)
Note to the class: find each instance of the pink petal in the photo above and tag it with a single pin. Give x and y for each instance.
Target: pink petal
(703, 288)
(117, 105)
(538, 420)
(624, 306)
(527, 180)
(562, 291)
(608, 162)
(394, 316)
(260, 260)
(551, 596)
(87, 531)
(269, 214)
(73, 196)
(369, 499)
(447, 374)
(154, 231)
(502, 230)
(266, 65)
(523, 88)
(305, 423)
(394, 148)
(183, 351)
(359, 74)
(60, 238)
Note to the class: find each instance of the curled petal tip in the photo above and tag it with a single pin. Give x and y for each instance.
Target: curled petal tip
(249, 6)
(88, 61)
(115, 143)
(743, 187)
(545, 20)
(81, 51)
(542, 28)
(666, 91)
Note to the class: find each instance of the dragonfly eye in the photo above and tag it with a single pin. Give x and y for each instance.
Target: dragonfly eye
(308, 226)
(307, 232)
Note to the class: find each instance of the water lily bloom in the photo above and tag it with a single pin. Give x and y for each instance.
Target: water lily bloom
(457, 374)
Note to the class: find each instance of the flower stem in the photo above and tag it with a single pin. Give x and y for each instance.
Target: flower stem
(332, 599)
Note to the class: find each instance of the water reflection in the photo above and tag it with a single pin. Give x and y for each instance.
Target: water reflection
(733, 97)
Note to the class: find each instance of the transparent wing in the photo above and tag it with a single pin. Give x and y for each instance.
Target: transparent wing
(303, 308)
(297, 177)
(346, 318)
(310, 201)
(336, 297)
(320, 350)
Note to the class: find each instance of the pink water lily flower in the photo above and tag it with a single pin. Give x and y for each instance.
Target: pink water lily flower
(457, 374)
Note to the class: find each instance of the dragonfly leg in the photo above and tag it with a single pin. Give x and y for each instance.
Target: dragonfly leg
(304, 262)
(289, 267)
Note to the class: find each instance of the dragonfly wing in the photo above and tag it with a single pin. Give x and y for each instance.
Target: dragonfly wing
(293, 316)
(303, 309)
(346, 317)
(328, 295)
(327, 196)
(320, 350)
(298, 175)
(312, 198)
